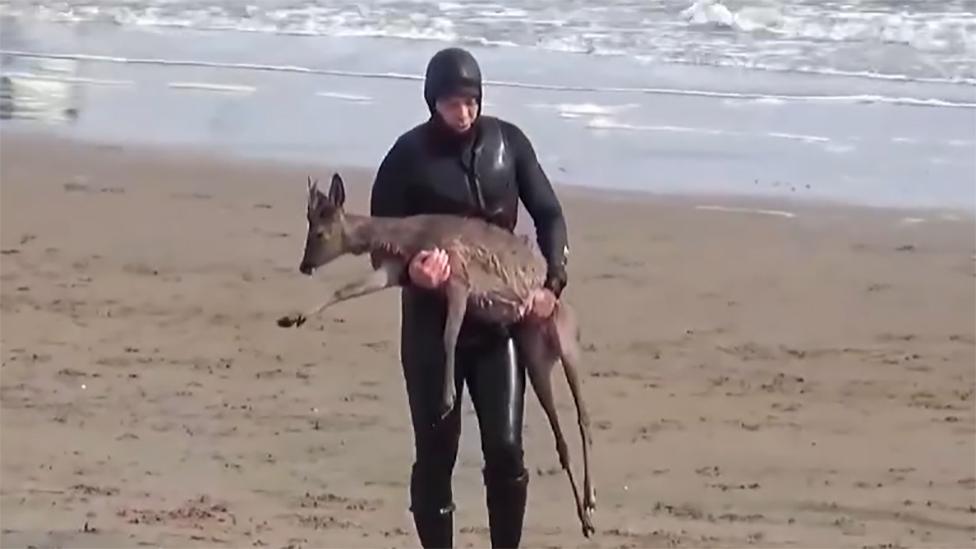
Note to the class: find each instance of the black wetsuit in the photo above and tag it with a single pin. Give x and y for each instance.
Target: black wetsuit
(431, 169)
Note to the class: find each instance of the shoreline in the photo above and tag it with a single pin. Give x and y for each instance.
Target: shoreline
(951, 100)
(731, 202)
(716, 130)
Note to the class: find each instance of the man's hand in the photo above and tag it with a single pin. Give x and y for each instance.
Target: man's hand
(541, 305)
(429, 268)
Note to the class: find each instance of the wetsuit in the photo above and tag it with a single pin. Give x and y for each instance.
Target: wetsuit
(485, 172)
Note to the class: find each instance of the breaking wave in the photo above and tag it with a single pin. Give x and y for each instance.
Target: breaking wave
(765, 97)
(888, 39)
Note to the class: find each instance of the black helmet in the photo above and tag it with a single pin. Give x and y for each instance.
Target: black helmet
(451, 70)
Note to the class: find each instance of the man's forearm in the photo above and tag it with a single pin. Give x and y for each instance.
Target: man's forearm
(553, 243)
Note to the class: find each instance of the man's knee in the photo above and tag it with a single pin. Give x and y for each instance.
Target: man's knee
(436, 454)
(504, 457)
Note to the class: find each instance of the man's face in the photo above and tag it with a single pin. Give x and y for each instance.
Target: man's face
(458, 112)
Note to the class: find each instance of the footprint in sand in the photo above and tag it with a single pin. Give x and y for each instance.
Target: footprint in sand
(89, 490)
(889, 338)
(199, 514)
(679, 511)
(962, 338)
(321, 522)
(356, 397)
(140, 269)
(191, 196)
(77, 185)
(330, 500)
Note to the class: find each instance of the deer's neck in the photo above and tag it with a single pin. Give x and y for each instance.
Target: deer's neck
(365, 234)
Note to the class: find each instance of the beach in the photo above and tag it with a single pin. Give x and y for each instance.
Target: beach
(772, 217)
(759, 372)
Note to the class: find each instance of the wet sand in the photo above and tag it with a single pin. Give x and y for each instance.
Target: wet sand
(755, 378)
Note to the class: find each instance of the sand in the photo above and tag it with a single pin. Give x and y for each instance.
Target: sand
(755, 378)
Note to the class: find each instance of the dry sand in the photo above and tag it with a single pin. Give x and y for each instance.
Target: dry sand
(754, 379)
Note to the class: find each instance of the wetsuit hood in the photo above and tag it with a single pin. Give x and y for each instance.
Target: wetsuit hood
(452, 70)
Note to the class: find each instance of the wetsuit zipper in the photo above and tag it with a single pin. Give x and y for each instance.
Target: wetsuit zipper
(474, 188)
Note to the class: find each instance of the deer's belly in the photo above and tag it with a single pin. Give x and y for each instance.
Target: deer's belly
(496, 308)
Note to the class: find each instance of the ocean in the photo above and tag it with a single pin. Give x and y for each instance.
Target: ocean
(860, 101)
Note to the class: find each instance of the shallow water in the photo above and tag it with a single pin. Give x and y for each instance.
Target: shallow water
(860, 116)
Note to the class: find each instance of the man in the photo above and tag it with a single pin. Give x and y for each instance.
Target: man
(462, 162)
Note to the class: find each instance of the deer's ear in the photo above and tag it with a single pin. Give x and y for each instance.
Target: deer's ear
(313, 192)
(337, 191)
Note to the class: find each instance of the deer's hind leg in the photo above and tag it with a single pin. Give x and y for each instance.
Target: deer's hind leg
(566, 334)
(540, 357)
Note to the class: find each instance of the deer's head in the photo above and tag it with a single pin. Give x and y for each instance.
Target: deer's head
(325, 240)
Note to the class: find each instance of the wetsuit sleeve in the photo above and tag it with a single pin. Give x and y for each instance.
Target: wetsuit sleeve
(541, 202)
(388, 197)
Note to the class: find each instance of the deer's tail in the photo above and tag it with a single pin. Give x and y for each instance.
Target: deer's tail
(565, 337)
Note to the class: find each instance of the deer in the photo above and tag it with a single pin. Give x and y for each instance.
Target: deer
(493, 273)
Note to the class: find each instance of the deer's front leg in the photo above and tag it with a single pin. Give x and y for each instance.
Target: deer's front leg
(385, 276)
(457, 304)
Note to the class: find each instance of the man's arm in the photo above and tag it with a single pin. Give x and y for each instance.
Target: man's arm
(541, 202)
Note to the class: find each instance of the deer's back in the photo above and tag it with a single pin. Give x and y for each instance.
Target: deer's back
(500, 268)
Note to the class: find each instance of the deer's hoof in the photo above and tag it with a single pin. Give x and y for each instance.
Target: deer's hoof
(588, 529)
(586, 514)
(292, 320)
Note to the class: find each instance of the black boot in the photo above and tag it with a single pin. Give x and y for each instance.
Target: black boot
(432, 507)
(435, 528)
(506, 509)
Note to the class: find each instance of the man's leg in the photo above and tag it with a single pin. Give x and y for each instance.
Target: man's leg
(496, 382)
(435, 442)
